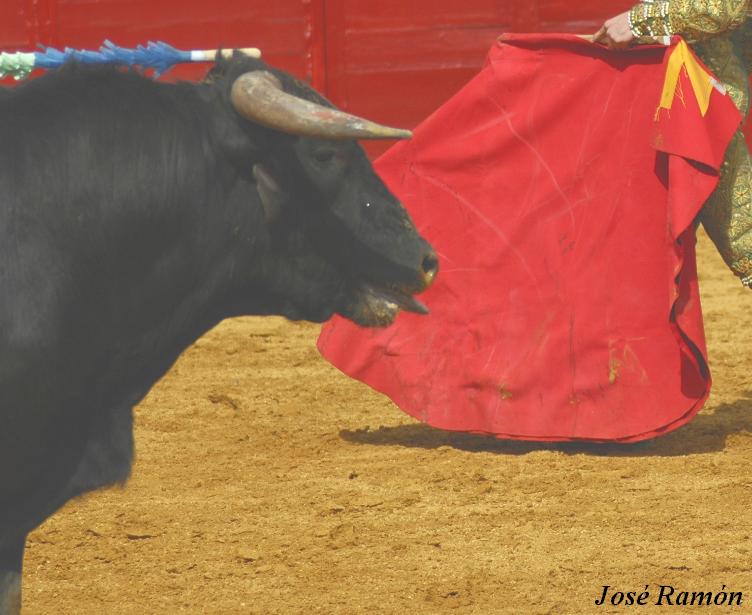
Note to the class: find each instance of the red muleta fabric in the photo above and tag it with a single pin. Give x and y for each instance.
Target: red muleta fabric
(561, 204)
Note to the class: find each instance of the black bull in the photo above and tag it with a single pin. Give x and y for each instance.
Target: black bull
(136, 215)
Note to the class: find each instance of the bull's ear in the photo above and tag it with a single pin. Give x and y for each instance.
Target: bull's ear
(273, 198)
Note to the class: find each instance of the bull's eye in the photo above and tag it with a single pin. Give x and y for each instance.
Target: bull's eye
(323, 156)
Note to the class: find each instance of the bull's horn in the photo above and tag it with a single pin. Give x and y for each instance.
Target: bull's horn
(258, 96)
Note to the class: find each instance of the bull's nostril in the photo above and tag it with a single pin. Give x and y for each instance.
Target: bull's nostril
(430, 268)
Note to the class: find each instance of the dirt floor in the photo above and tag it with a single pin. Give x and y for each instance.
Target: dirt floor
(267, 482)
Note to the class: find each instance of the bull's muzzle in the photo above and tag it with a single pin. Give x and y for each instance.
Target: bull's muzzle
(429, 269)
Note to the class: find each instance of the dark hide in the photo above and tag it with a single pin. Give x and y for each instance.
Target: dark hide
(136, 215)
(11, 559)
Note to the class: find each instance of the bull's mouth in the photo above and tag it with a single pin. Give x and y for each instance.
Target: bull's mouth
(378, 307)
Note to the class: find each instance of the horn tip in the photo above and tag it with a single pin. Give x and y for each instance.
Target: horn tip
(392, 133)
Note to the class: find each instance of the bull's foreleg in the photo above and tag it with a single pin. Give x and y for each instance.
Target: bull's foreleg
(11, 562)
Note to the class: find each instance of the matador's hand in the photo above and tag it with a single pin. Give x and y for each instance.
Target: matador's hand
(615, 32)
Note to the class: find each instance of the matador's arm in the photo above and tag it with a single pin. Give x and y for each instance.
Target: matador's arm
(695, 20)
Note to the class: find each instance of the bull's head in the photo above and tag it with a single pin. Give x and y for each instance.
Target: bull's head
(342, 242)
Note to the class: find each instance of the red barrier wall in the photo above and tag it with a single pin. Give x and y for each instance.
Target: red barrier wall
(392, 60)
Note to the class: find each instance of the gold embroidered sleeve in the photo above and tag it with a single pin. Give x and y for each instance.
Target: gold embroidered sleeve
(696, 20)
(650, 19)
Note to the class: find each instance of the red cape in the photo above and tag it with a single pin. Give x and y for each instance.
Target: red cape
(561, 204)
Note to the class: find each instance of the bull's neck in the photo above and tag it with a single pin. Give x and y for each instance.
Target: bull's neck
(165, 302)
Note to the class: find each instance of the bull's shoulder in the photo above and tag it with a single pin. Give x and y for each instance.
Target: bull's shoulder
(33, 284)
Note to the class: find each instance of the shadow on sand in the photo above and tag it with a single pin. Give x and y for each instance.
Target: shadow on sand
(707, 433)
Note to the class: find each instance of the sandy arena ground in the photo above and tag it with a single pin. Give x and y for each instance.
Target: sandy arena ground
(267, 482)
